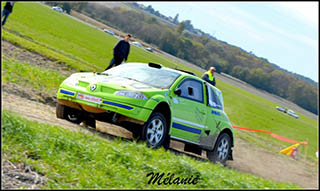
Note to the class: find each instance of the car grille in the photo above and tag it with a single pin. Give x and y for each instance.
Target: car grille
(107, 89)
(83, 84)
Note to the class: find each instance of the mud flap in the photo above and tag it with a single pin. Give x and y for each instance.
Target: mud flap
(208, 142)
(230, 157)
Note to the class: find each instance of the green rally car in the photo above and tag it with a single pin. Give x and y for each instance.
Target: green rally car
(164, 103)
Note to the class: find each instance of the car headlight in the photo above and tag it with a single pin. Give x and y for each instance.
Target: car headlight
(72, 81)
(132, 94)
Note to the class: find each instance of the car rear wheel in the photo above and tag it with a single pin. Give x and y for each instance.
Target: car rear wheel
(221, 149)
(155, 130)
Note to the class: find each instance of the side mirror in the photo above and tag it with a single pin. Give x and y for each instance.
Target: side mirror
(177, 91)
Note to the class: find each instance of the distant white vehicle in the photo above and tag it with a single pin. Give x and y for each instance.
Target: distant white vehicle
(138, 44)
(292, 113)
(59, 9)
(108, 31)
(281, 109)
(149, 49)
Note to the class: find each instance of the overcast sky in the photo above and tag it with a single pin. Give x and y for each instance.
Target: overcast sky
(285, 33)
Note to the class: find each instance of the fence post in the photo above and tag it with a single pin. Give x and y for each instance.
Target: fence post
(305, 153)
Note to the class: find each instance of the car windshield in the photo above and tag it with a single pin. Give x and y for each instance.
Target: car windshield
(155, 77)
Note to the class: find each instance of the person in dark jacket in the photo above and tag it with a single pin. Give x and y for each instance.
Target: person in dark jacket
(120, 52)
(6, 11)
(209, 76)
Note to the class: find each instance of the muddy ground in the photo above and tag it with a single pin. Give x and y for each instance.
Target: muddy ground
(20, 175)
(33, 105)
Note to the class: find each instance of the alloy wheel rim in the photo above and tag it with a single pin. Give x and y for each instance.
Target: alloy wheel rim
(155, 131)
(223, 149)
(72, 117)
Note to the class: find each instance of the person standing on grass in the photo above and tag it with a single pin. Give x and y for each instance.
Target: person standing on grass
(209, 76)
(120, 52)
(6, 11)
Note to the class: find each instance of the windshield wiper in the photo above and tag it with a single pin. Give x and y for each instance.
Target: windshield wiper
(133, 79)
(101, 73)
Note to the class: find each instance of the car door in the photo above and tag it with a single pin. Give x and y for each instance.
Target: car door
(188, 111)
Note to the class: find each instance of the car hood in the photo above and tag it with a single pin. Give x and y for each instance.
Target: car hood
(112, 82)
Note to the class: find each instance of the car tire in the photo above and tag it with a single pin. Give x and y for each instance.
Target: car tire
(90, 122)
(155, 130)
(60, 111)
(221, 150)
(73, 115)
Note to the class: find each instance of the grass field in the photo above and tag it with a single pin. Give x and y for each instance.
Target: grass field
(38, 28)
(36, 77)
(53, 31)
(79, 160)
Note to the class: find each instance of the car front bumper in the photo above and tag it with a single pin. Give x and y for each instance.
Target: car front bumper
(90, 103)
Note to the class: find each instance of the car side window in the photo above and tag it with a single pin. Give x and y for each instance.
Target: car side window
(192, 89)
(213, 98)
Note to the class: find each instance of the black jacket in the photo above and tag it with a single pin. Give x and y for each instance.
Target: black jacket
(205, 77)
(121, 50)
(8, 6)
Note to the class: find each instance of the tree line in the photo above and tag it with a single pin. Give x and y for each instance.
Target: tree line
(205, 52)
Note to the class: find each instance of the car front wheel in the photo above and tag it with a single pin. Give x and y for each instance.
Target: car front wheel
(68, 113)
(155, 130)
(73, 115)
(221, 149)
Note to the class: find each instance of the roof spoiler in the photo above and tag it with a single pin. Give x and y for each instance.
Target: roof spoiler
(154, 65)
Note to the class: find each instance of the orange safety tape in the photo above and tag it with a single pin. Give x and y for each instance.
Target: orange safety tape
(273, 135)
(257, 130)
(286, 139)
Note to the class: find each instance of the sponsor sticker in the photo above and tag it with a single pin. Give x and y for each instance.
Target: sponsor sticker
(89, 98)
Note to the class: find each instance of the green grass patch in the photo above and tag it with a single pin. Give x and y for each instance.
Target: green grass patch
(78, 160)
(47, 51)
(36, 77)
(56, 35)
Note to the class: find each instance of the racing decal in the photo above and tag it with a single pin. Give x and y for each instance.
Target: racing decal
(189, 122)
(67, 92)
(215, 112)
(89, 98)
(186, 128)
(175, 100)
(117, 105)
